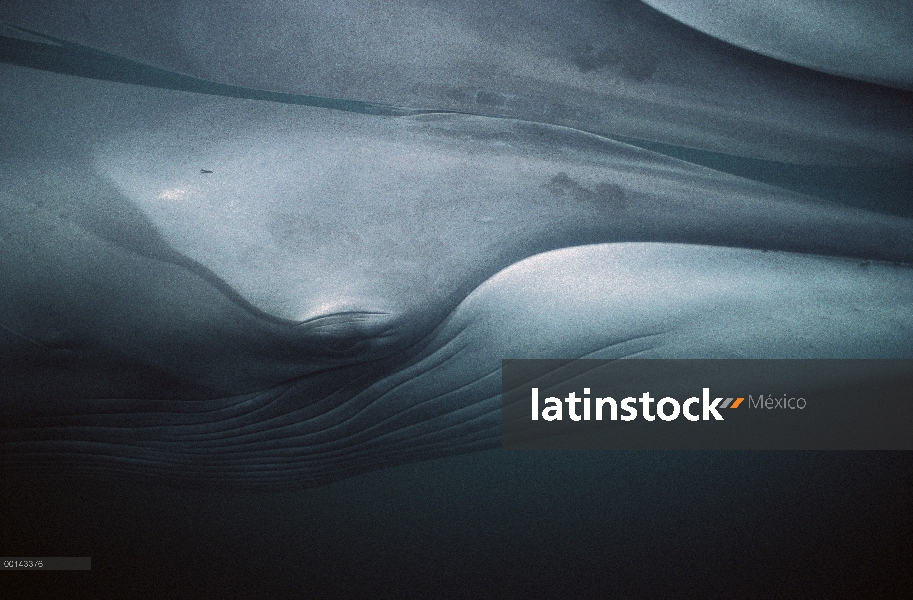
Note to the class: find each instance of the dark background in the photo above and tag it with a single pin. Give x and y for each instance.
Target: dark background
(503, 524)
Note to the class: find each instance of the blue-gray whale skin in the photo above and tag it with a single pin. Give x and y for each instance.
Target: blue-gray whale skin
(229, 292)
(612, 67)
(871, 41)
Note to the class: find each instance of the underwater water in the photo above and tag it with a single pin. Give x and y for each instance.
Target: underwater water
(261, 262)
(494, 524)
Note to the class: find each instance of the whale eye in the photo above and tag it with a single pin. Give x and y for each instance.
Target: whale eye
(347, 334)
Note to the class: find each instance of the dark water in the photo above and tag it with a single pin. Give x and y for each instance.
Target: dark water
(495, 524)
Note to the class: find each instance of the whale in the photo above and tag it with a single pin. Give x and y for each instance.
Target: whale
(645, 72)
(860, 40)
(234, 277)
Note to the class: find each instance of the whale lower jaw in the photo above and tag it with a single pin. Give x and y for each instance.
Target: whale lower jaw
(636, 300)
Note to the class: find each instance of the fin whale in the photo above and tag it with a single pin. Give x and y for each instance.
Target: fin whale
(335, 290)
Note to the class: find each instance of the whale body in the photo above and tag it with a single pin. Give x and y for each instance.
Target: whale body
(871, 41)
(234, 290)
